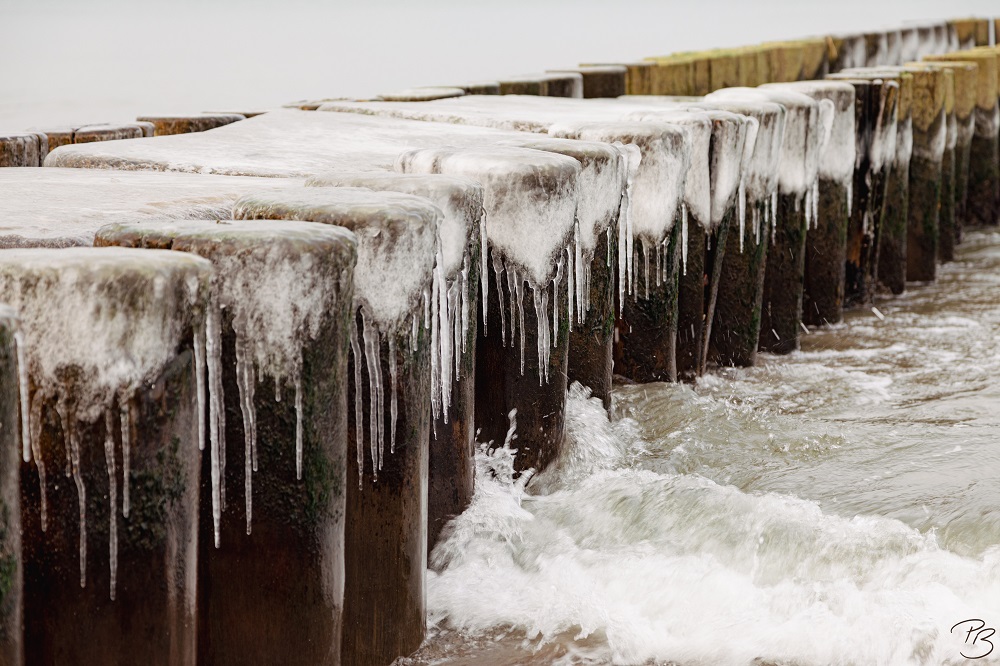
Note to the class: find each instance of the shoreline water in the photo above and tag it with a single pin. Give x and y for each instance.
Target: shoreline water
(838, 505)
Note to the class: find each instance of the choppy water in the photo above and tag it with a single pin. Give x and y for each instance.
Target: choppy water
(837, 506)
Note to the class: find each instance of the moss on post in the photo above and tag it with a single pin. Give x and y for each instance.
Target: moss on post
(11, 583)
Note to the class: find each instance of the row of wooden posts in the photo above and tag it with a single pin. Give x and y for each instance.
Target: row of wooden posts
(334, 568)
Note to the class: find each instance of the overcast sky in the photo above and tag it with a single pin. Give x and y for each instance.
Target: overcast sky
(65, 61)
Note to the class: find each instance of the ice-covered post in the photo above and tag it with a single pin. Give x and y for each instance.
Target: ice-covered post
(109, 391)
(983, 192)
(11, 585)
(606, 81)
(592, 287)
(399, 293)
(896, 208)
(847, 51)
(650, 243)
(428, 94)
(807, 128)
(702, 216)
(530, 199)
(875, 106)
(271, 537)
(930, 136)
(63, 136)
(552, 84)
(961, 127)
(197, 122)
(451, 468)
(733, 319)
(971, 32)
(23, 149)
(481, 88)
(638, 75)
(826, 241)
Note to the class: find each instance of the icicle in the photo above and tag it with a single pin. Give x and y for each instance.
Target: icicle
(427, 308)
(35, 424)
(684, 237)
(519, 288)
(581, 314)
(109, 457)
(484, 279)
(371, 340)
(69, 427)
(393, 405)
(436, 334)
(622, 259)
(22, 385)
(199, 370)
(512, 298)
(125, 416)
(741, 202)
(445, 313)
(645, 257)
(498, 271)
(774, 215)
(571, 287)
(555, 302)
(607, 261)
(298, 428)
(414, 331)
(241, 385)
(455, 298)
(850, 197)
(277, 389)
(358, 427)
(815, 203)
(659, 264)
(216, 423)
(465, 302)
(251, 383)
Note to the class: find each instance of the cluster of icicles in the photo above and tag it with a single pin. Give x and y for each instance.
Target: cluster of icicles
(31, 429)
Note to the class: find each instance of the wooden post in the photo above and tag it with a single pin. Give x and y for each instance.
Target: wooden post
(115, 546)
(606, 81)
(11, 576)
(638, 76)
(481, 88)
(198, 122)
(518, 366)
(876, 122)
(428, 94)
(826, 239)
(893, 243)
(647, 327)
(275, 566)
(983, 193)
(385, 521)
(961, 127)
(451, 474)
(25, 149)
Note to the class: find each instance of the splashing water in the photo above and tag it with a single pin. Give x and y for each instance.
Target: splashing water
(836, 506)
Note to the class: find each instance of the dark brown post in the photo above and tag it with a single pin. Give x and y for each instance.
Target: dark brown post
(647, 326)
(893, 243)
(961, 127)
(606, 81)
(198, 122)
(272, 564)
(927, 195)
(385, 550)
(637, 78)
(733, 321)
(522, 349)
(826, 240)
(453, 432)
(11, 583)
(983, 194)
(109, 554)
